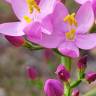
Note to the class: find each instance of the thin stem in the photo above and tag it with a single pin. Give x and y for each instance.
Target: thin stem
(32, 46)
(66, 61)
(68, 89)
(75, 83)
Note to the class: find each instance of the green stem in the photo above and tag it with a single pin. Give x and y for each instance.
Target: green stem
(32, 46)
(81, 74)
(75, 83)
(66, 61)
(68, 89)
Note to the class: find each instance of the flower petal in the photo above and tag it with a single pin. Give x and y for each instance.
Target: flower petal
(86, 41)
(85, 20)
(10, 29)
(48, 41)
(19, 7)
(46, 7)
(33, 30)
(69, 49)
(60, 12)
(82, 1)
(94, 7)
(47, 27)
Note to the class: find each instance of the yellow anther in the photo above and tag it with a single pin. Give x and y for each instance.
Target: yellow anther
(32, 4)
(71, 34)
(71, 19)
(27, 19)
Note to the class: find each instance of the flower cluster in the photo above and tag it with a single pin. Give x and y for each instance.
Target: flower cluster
(55, 87)
(49, 24)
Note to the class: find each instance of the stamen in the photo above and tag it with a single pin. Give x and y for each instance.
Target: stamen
(71, 19)
(32, 4)
(27, 19)
(71, 34)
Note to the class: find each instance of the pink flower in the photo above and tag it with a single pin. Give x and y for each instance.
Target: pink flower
(53, 88)
(32, 13)
(17, 41)
(93, 2)
(70, 32)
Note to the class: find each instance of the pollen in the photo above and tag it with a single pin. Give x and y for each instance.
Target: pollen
(32, 5)
(71, 34)
(27, 19)
(71, 19)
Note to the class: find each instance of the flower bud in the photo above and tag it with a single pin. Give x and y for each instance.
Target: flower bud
(53, 88)
(75, 92)
(82, 63)
(63, 73)
(17, 41)
(31, 72)
(90, 76)
(48, 54)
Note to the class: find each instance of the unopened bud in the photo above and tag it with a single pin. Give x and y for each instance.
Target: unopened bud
(31, 72)
(82, 63)
(17, 41)
(53, 88)
(90, 76)
(63, 73)
(75, 92)
(48, 53)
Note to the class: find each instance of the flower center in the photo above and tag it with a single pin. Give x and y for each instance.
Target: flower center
(72, 24)
(32, 5)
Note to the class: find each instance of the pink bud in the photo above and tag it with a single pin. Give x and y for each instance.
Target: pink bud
(48, 53)
(90, 76)
(53, 88)
(17, 41)
(75, 92)
(31, 72)
(82, 63)
(63, 73)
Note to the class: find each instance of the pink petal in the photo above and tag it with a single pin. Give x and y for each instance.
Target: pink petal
(85, 18)
(48, 41)
(10, 29)
(82, 1)
(47, 26)
(46, 7)
(94, 7)
(87, 41)
(60, 11)
(33, 30)
(19, 7)
(69, 49)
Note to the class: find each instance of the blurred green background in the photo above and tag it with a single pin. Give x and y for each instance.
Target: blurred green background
(13, 63)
